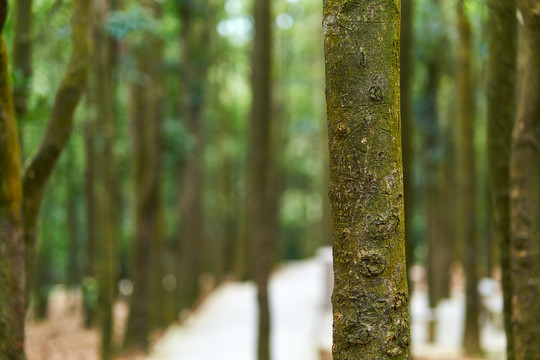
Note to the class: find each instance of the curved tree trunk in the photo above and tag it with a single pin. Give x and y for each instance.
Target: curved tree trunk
(501, 74)
(38, 172)
(370, 298)
(12, 271)
(525, 192)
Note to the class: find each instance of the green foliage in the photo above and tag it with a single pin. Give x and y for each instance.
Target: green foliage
(134, 20)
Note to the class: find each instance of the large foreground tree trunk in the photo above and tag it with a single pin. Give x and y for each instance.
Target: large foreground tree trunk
(408, 127)
(501, 78)
(12, 271)
(370, 298)
(525, 192)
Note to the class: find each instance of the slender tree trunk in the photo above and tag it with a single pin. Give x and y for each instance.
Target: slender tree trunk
(466, 113)
(194, 69)
(260, 174)
(370, 298)
(525, 192)
(501, 73)
(407, 123)
(104, 129)
(59, 126)
(146, 124)
(89, 285)
(12, 271)
(72, 221)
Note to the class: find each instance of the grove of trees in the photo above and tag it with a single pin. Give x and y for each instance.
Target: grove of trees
(153, 150)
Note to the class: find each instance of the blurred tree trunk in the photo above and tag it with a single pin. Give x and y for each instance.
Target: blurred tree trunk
(433, 192)
(407, 124)
(259, 216)
(370, 298)
(89, 282)
(72, 220)
(525, 191)
(466, 114)
(501, 73)
(146, 115)
(42, 280)
(22, 58)
(104, 175)
(41, 165)
(194, 66)
(12, 270)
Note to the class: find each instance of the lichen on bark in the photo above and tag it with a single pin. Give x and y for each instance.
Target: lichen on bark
(370, 298)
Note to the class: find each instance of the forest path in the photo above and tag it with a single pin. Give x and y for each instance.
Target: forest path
(224, 327)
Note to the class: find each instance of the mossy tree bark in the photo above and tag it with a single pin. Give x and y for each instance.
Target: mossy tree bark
(12, 271)
(525, 191)
(147, 269)
(259, 169)
(501, 77)
(466, 114)
(407, 123)
(41, 165)
(370, 298)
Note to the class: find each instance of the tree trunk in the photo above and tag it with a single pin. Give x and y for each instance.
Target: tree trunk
(147, 267)
(525, 192)
(104, 129)
(501, 74)
(12, 271)
(59, 126)
(370, 298)
(89, 286)
(466, 113)
(407, 123)
(259, 215)
(194, 58)
(72, 220)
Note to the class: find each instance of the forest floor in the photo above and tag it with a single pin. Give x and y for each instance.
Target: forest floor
(224, 326)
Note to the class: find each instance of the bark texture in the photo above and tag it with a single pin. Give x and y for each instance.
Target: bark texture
(146, 124)
(525, 192)
(407, 122)
(501, 80)
(466, 114)
(38, 172)
(259, 186)
(370, 298)
(12, 271)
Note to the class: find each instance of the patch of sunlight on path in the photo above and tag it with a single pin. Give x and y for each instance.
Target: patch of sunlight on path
(224, 327)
